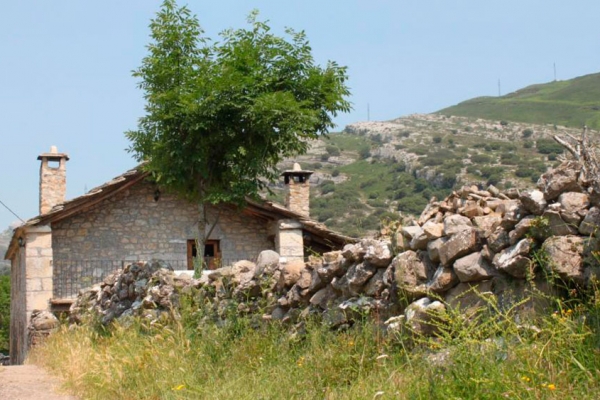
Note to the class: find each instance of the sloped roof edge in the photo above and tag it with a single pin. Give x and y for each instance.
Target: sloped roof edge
(134, 175)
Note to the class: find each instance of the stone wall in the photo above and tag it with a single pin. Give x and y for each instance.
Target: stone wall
(38, 274)
(53, 181)
(133, 226)
(298, 197)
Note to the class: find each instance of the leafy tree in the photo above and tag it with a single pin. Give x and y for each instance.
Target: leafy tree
(221, 115)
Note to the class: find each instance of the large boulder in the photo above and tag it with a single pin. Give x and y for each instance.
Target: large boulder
(557, 225)
(267, 262)
(533, 201)
(443, 280)
(412, 271)
(290, 273)
(565, 257)
(378, 254)
(515, 260)
(473, 268)
(591, 222)
(559, 180)
(423, 316)
(456, 223)
(460, 244)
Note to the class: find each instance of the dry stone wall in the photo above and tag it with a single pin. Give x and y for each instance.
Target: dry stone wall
(473, 246)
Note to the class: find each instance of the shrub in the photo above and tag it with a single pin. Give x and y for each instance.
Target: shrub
(364, 152)
(527, 133)
(528, 144)
(437, 139)
(504, 123)
(327, 187)
(548, 146)
(335, 172)
(332, 150)
(481, 158)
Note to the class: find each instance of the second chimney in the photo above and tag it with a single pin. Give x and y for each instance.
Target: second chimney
(53, 179)
(297, 197)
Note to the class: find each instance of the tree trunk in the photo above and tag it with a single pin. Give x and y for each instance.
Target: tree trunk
(199, 263)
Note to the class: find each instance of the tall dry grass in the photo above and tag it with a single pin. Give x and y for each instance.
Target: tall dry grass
(554, 356)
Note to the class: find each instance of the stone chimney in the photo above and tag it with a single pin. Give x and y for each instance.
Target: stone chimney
(297, 196)
(53, 179)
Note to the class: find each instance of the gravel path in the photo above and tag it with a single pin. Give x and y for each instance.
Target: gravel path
(28, 382)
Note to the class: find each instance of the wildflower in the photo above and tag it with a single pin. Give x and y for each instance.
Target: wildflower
(350, 343)
(526, 379)
(178, 387)
(551, 386)
(300, 361)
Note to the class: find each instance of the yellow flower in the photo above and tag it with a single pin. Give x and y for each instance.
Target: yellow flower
(178, 387)
(526, 379)
(552, 386)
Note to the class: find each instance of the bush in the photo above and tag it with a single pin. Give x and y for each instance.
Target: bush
(528, 144)
(527, 133)
(364, 152)
(327, 187)
(335, 172)
(481, 158)
(548, 146)
(504, 123)
(437, 139)
(332, 150)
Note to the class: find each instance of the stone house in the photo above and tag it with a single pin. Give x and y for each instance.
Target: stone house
(75, 244)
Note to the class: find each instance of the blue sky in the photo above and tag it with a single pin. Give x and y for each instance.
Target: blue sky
(65, 67)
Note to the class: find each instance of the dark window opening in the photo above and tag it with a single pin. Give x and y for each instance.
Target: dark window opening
(212, 254)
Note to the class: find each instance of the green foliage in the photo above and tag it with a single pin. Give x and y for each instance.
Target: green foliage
(437, 139)
(332, 150)
(481, 158)
(548, 146)
(527, 144)
(485, 351)
(364, 152)
(527, 133)
(4, 312)
(220, 115)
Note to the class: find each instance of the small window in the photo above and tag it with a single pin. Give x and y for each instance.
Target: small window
(212, 254)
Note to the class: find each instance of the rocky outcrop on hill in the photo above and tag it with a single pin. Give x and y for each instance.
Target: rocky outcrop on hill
(472, 249)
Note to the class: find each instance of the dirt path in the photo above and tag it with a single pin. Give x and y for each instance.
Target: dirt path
(28, 382)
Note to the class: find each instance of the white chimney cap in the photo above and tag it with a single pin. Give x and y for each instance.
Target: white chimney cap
(297, 167)
(53, 149)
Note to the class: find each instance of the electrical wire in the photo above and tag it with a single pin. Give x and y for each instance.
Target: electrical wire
(13, 213)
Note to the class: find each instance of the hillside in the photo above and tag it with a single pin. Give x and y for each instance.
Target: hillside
(574, 103)
(386, 170)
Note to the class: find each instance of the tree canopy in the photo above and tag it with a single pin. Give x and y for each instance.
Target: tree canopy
(220, 115)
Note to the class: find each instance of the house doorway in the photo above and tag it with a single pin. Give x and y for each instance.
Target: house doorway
(212, 254)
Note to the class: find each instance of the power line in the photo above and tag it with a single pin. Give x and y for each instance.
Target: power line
(13, 213)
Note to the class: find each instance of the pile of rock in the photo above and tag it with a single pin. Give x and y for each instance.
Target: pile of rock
(147, 289)
(41, 325)
(473, 245)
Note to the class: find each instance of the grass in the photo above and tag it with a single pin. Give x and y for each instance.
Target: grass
(570, 103)
(194, 358)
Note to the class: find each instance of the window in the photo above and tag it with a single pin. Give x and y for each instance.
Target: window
(212, 254)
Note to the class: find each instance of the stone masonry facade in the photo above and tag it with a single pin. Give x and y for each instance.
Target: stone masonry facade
(133, 226)
(298, 197)
(53, 179)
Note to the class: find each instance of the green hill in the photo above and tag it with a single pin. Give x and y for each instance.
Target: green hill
(573, 103)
